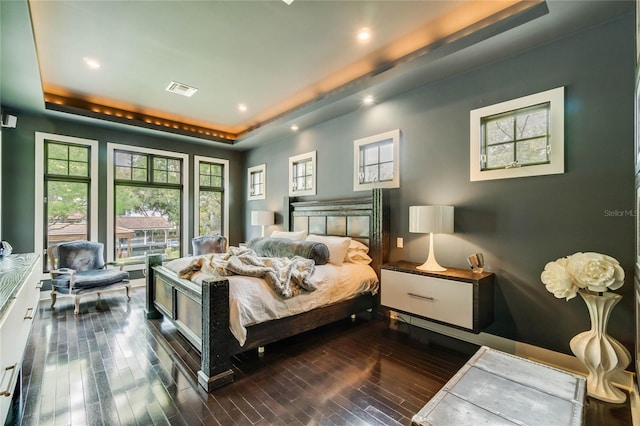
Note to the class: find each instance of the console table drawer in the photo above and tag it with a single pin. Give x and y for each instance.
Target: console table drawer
(435, 298)
(454, 297)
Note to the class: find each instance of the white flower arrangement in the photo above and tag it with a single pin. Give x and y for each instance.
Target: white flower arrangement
(593, 272)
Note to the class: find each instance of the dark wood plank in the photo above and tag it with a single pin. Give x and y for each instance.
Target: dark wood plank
(112, 366)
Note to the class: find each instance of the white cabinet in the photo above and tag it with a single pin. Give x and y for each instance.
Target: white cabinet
(19, 301)
(454, 297)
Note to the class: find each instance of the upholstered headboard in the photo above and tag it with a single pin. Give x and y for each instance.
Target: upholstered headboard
(365, 219)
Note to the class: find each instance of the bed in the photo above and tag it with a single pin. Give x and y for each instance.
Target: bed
(201, 312)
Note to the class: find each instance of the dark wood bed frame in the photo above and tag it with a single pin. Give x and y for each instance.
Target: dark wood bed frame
(201, 313)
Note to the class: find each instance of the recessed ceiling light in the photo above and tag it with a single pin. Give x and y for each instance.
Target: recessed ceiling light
(181, 89)
(288, 1)
(294, 127)
(242, 107)
(368, 100)
(364, 34)
(91, 63)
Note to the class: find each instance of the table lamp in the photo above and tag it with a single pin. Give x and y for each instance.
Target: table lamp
(431, 219)
(262, 218)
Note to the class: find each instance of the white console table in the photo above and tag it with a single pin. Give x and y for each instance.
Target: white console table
(19, 296)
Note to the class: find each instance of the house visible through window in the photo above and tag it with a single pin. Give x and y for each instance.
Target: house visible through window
(148, 190)
(302, 174)
(517, 138)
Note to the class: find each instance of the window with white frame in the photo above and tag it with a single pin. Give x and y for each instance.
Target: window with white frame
(257, 180)
(211, 196)
(66, 191)
(147, 202)
(302, 174)
(517, 138)
(376, 161)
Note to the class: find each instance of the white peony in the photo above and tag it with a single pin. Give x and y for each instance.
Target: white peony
(595, 271)
(557, 280)
(582, 271)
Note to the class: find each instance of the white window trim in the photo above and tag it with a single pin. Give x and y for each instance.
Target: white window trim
(394, 135)
(255, 169)
(299, 158)
(555, 97)
(38, 226)
(111, 147)
(196, 196)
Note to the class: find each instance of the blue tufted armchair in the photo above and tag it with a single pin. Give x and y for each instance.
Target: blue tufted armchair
(209, 244)
(77, 268)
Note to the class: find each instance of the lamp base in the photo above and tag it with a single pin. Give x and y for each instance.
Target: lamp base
(431, 264)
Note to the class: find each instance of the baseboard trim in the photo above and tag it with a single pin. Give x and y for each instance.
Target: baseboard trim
(624, 380)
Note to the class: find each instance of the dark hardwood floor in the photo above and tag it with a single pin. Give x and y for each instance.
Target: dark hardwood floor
(111, 366)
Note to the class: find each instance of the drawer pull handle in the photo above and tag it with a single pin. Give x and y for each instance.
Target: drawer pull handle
(13, 368)
(39, 285)
(28, 314)
(422, 297)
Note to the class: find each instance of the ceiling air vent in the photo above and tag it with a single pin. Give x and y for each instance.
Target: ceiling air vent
(181, 89)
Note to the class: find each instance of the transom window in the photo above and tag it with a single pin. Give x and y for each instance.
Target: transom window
(376, 161)
(302, 174)
(257, 178)
(517, 138)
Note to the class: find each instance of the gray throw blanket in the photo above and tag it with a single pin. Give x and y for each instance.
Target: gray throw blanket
(287, 277)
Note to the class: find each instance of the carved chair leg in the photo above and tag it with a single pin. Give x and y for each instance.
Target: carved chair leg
(128, 288)
(53, 297)
(76, 304)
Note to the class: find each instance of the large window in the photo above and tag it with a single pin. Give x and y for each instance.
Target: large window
(147, 202)
(211, 196)
(517, 138)
(376, 162)
(66, 191)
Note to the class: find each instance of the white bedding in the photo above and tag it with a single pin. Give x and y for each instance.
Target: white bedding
(252, 301)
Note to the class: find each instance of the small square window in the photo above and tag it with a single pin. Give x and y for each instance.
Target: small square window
(517, 138)
(302, 174)
(257, 179)
(376, 161)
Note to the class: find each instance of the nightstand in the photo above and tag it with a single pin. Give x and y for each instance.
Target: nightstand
(455, 297)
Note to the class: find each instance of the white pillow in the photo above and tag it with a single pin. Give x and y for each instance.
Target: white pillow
(338, 246)
(292, 235)
(357, 253)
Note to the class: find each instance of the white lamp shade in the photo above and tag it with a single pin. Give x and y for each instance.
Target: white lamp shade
(431, 219)
(262, 217)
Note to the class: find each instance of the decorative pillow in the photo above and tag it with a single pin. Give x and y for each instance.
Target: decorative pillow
(284, 247)
(338, 246)
(357, 253)
(292, 235)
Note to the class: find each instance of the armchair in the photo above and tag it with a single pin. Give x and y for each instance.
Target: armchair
(209, 244)
(77, 268)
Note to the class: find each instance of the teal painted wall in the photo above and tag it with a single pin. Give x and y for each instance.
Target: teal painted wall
(519, 224)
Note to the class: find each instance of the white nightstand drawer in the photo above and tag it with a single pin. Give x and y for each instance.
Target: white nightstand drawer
(439, 299)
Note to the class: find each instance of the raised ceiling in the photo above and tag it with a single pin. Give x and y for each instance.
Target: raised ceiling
(282, 61)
